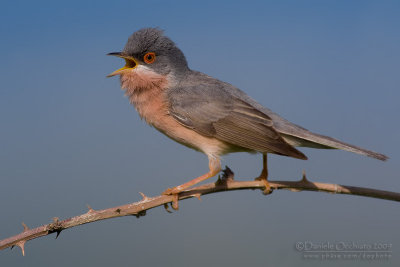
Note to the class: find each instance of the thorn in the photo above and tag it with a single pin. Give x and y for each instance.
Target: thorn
(118, 211)
(197, 195)
(227, 174)
(25, 227)
(56, 226)
(166, 207)
(175, 204)
(12, 246)
(304, 178)
(89, 208)
(145, 198)
(219, 180)
(294, 190)
(21, 244)
(58, 233)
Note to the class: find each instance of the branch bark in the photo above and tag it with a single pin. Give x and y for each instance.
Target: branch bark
(226, 183)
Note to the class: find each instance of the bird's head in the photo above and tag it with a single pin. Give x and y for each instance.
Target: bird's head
(149, 54)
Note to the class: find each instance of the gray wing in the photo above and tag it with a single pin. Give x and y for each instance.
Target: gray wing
(299, 136)
(211, 110)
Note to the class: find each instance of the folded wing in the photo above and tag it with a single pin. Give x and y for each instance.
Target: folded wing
(211, 111)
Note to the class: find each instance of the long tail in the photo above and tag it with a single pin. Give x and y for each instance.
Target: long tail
(298, 136)
(314, 140)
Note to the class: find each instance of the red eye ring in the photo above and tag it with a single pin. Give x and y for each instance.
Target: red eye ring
(149, 57)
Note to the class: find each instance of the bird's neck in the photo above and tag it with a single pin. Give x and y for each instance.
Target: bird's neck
(142, 79)
(145, 90)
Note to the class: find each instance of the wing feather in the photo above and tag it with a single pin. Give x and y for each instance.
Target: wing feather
(212, 111)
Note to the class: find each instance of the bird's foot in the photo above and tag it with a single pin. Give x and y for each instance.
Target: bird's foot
(214, 169)
(263, 178)
(174, 192)
(267, 187)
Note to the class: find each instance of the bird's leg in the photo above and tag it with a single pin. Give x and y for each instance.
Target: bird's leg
(264, 175)
(264, 172)
(215, 167)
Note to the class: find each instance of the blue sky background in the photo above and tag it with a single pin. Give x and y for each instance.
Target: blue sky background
(69, 138)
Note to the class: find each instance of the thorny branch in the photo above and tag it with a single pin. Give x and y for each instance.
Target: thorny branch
(224, 183)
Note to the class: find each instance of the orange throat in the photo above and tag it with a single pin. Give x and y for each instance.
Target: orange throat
(145, 90)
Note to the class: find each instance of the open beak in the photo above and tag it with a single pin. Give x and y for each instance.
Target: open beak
(130, 63)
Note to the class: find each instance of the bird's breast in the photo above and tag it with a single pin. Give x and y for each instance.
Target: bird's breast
(147, 93)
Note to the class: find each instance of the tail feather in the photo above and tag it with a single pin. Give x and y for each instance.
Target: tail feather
(298, 136)
(309, 139)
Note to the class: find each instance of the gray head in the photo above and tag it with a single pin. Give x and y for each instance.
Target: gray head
(151, 48)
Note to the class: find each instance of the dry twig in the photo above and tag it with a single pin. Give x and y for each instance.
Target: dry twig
(226, 183)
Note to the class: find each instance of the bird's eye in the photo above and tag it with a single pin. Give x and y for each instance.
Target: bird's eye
(149, 57)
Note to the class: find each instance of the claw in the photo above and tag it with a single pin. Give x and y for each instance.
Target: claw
(267, 189)
(174, 192)
(175, 204)
(140, 213)
(166, 207)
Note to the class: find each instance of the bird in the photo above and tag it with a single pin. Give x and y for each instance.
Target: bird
(204, 113)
